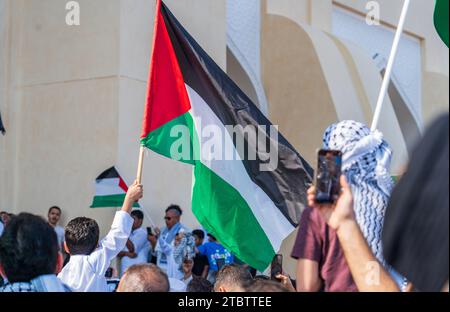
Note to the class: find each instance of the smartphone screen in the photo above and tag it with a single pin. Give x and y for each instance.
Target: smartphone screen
(328, 175)
(149, 231)
(277, 266)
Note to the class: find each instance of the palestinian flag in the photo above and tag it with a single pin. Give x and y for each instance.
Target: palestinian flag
(110, 190)
(197, 115)
(441, 19)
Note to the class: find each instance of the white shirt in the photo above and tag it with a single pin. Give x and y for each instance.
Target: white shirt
(141, 247)
(86, 273)
(60, 234)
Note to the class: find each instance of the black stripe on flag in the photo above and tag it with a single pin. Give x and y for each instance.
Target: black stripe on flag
(110, 173)
(287, 185)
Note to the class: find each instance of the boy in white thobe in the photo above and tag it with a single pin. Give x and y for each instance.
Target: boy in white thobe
(85, 272)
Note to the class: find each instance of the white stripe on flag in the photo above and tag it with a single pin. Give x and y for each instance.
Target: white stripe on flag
(108, 186)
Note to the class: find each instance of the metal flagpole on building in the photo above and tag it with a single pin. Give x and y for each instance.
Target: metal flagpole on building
(390, 65)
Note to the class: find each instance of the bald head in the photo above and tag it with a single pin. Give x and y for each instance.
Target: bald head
(144, 278)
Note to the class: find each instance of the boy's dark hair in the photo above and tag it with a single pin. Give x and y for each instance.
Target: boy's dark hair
(176, 208)
(82, 235)
(54, 207)
(232, 275)
(199, 284)
(138, 214)
(28, 248)
(199, 233)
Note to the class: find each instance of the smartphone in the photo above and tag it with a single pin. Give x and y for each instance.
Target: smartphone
(276, 266)
(149, 231)
(328, 173)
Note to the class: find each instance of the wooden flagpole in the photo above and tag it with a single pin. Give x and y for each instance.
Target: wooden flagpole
(390, 65)
(140, 165)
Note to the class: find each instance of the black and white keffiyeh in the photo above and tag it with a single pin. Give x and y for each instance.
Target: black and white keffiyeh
(365, 163)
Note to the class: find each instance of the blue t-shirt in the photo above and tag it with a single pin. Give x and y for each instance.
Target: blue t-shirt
(216, 253)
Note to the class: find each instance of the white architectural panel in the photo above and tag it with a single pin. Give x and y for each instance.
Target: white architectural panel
(378, 40)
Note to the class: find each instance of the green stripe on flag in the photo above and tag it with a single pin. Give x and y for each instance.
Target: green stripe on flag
(110, 201)
(441, 19)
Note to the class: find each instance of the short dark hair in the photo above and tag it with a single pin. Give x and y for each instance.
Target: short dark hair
(138, 214)
(82, 235)
(199, 284)
(232, 275)
(28, 248)
(261, 285)
(54, 207)
(176, 208)
(144, 278)
(199, 233)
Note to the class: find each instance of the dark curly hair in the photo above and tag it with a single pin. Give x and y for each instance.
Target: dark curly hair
(82, 235)
(28, 248)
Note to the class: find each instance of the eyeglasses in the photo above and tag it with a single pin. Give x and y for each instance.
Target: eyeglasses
(167, 218)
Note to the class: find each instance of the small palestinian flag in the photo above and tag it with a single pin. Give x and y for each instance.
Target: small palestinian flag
(110, 190)
(441, 19)
(250, 204)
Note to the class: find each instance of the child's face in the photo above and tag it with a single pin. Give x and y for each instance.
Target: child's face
(198, 240)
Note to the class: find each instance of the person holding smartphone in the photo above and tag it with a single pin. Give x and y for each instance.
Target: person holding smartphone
(365, 160)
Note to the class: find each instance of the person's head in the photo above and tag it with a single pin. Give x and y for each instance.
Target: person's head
(173, 215)
(54, 214)
(187, 265)
(81, 236)
(199, 236)
(232, 278)
(199, 284)
(28, 249)
(5, 217)
(144, 278)
(138, 217)
(416, 227)
(261, 285)
(212, 238)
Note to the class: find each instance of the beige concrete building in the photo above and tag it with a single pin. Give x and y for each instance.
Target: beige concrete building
(72, 97)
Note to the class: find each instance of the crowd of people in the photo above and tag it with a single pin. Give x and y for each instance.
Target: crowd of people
(375, 237)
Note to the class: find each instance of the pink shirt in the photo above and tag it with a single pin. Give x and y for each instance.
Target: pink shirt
(316, 241)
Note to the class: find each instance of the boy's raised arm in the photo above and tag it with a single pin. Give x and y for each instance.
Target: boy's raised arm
(120, 231)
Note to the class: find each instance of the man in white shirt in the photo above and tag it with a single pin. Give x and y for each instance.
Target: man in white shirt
(53, 216)
(138, 247)
(168, 233)
(85, 272)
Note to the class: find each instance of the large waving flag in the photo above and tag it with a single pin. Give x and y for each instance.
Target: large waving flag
(249, 210)
(110, 190)
(441, 19)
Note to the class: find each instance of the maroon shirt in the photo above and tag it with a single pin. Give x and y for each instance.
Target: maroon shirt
(316, 241)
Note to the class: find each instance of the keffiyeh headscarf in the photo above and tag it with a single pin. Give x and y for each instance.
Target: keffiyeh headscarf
(365, 163)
